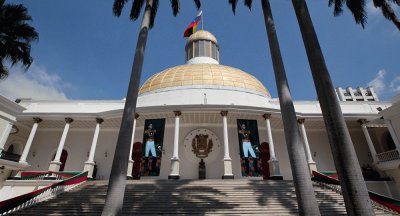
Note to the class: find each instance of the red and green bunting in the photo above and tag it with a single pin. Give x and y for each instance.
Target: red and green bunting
(388, 202)
(36, 174)
(9, 204)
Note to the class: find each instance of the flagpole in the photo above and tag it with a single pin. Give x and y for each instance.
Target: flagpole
(202, 21)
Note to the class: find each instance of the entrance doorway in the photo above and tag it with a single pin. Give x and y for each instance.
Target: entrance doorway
(265, 156)
(63, 159)
(137, 160)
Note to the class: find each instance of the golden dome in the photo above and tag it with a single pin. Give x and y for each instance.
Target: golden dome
(202, 35)
(203, 74)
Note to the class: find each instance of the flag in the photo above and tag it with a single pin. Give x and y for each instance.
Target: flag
(192, 28)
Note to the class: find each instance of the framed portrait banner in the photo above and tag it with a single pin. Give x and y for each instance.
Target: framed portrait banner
(153, 137)
(249, 145)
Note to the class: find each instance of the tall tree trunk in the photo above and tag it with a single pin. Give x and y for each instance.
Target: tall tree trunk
(304, 190)
(348, 168)
(117, 182)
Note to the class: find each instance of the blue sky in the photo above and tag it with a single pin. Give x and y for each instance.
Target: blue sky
(84, 52)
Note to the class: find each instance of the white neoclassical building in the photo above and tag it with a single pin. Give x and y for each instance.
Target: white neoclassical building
(197, 120)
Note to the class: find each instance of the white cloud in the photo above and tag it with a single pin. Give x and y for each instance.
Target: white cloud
(383, 87)
(395, 85)
(36, 83)
(378, 83)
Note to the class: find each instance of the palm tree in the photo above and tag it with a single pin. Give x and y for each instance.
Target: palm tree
(117, 182)
(301, 178)
(357, 8)
(347, 166)
(15, 36)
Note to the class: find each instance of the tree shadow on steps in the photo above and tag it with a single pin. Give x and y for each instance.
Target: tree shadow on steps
(173, 197)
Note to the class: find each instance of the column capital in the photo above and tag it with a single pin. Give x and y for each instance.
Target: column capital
(69, 120)
(177, 113)
(224, 113)
(301, 120)
(37, 120)
(137, 115)
(266, 116)
(362, 121)
(99, 120)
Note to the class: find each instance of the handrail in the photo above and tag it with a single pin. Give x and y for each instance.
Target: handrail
(26, 200)
(33, 175)
(387, 202)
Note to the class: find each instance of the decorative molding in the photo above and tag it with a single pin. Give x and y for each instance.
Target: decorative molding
(224, 113)
(301, 120)
(99, 120)
(69, 120)
(37, 120)
(177, 113)
(137, 115)
(266, 116)
(362, 121)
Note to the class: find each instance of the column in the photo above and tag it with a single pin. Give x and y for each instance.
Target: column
(227, 159)
(363, 123)
(311, 163)
(174, 174)
(30, 140)
(55, 164)
(89, 164)
(130, 163)
(392, 132)
(274, 170)
(5, 135)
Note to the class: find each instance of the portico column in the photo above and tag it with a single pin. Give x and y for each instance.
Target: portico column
(311, 163)
(4, 136)
(371, 146)
(55, 164)
(175, 158)
(30, 140)
(274, 170)
(89, 164)
(227, 159)
(130, 163)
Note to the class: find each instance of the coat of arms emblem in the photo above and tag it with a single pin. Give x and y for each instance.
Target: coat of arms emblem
(201, 145)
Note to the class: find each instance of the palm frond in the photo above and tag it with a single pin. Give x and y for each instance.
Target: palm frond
(357, 8)
(387, 11)
(175, 7)
(233, 3)
(248, 3)
(338, 6)
(198, 4)
(153, 13)
(117, 7)
(136, 8)
(16, 36)
(3, 70)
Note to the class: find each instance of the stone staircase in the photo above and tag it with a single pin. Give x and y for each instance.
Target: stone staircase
(198, 197)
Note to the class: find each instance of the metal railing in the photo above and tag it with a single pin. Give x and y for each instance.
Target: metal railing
(9, 156)
(388, 156)
(29, 199)
(378, 201)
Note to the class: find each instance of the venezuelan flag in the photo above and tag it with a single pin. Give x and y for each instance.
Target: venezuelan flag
(192, 28)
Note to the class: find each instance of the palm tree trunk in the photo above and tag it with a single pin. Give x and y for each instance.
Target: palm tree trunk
(117, 182)
(304, 190)
(348, 168)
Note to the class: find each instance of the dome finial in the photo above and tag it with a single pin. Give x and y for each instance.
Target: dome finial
(202, 48)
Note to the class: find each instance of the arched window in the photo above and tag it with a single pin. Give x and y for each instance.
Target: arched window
(63, 159)
(10, 149)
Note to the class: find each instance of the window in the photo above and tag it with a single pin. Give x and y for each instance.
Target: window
(196, 49)
(202, 48)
